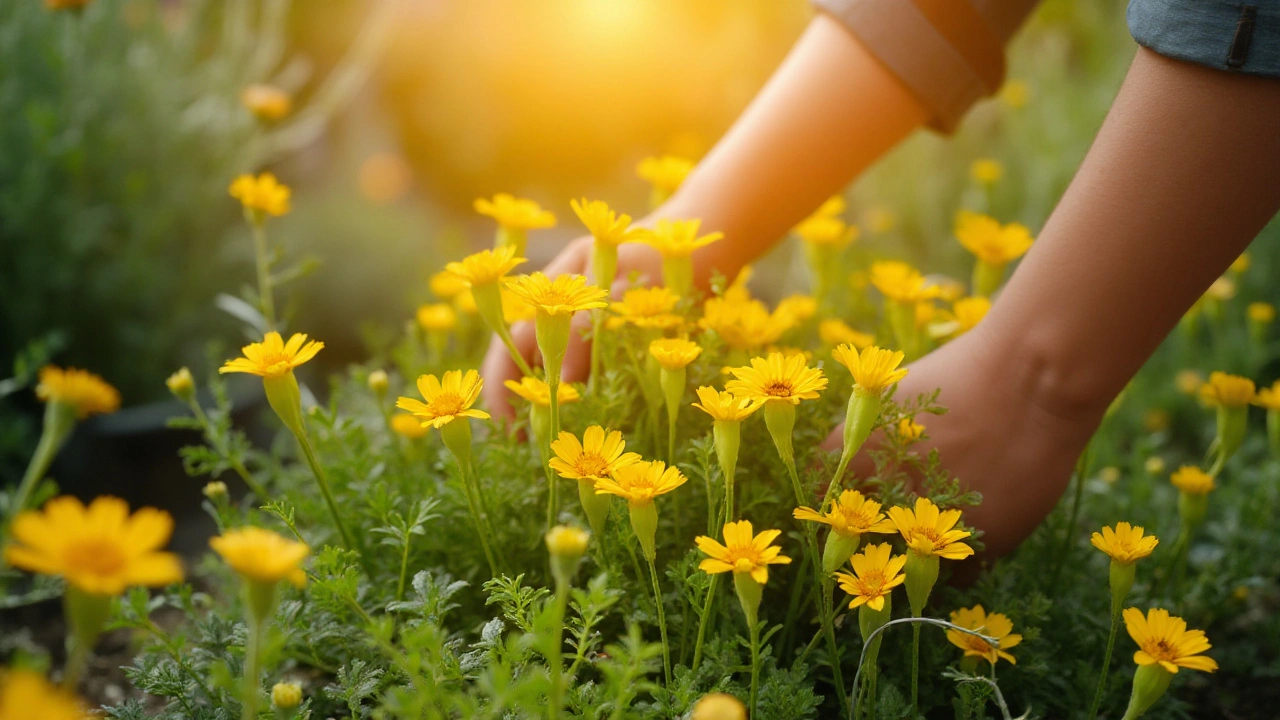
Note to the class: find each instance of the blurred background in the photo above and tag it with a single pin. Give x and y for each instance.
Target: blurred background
(124, 125)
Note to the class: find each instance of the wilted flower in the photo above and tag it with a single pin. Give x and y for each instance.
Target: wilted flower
(993, 625)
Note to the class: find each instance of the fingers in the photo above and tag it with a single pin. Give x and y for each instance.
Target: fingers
(498, 367)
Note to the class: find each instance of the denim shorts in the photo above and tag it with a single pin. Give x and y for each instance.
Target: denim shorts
(1234, 36)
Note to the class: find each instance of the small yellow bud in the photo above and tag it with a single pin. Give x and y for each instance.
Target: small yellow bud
(1263, 313)
(1188, 382)
(566, 545)
(719, 706)
(378, 382)
(286, 696)
(1109, 474)
(1154, 465)
(1156, 421)
(215, 490)
(181, 384)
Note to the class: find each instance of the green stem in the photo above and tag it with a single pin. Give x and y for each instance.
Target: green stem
(755, 666)
(1106, 661)
(323, 482)
(404, 569)
(504, 334)
(554, 659)
(249, 697)
(219, 445)
(59, 421)
(77, 659)
(1073, 516)
(915, 669)
(662, 623)
(473, 504)
(703, 621)
(553, 385)
(827, 613)
(266, 300)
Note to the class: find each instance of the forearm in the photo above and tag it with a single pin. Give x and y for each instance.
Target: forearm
(1182, 176)
(828, 112)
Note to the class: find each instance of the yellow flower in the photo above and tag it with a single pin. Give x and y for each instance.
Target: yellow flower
(437, 317)
(797, 307)
(273, 357)
(1126, 544)
(1269, 397)
(1188, 382)
(725, 406)
(486, 266)
(262, 194)
(851, 515)
(605, 225)
(1109, 474)
(1222, 289)
(536, 391)
(744, 324)
(968, 313)
(664, 173)
(648, 308)
(27, 695)
(875, 575)
(406, 425)
(929, 531)
(777, 378)
(742, 552)
(598, 455)
(674, 353)
(994, 625)
(447, 399)
(1154, 465)
(1164, 639)
(1192, 480)
(514, 309)
(565, 295)
(874, 369)
(262, 556)
(719, 706)
(465, 302)
(833, 206)
(268, 102)
(515, 213)
(1227, 390)
(641, 482)
(909, 430)
(991, 242)
(79, 389)
(829, 231)
(1015, 93)
(447, 285)
(836, 332)
(986, 171)
(900, 282)
(679, 238)
(99, 550)
(1242, 263)
(1261, 312)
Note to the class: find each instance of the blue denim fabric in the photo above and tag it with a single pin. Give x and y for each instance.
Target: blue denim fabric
(1235, 36)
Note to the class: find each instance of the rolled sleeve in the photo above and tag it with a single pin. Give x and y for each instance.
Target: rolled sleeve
(947, 53)
(1219, 34)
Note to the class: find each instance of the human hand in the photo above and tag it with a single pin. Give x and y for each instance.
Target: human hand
(575, 259)
(1005, 434)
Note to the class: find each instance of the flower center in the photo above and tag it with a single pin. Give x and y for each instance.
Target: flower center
(743, 564)
(447, 404)
(95, 556)
(871, 585)
(1161, 650)
(592, 465)
(778, 388)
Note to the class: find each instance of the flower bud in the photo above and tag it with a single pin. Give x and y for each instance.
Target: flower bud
(285, 399)
(719, 706)
(215, 490)
(871, 620)
(644, 522)
(780, 418)
(1233, 423)
(837, 551)
(378, 383)
(727, 435)
(286, 696)
(595, 505)
(673, 382)
(749, 594)
(1149, 685)
(922, 574)
(1154, 465)
(1121, 581)
(182, 385)
(566, 545)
